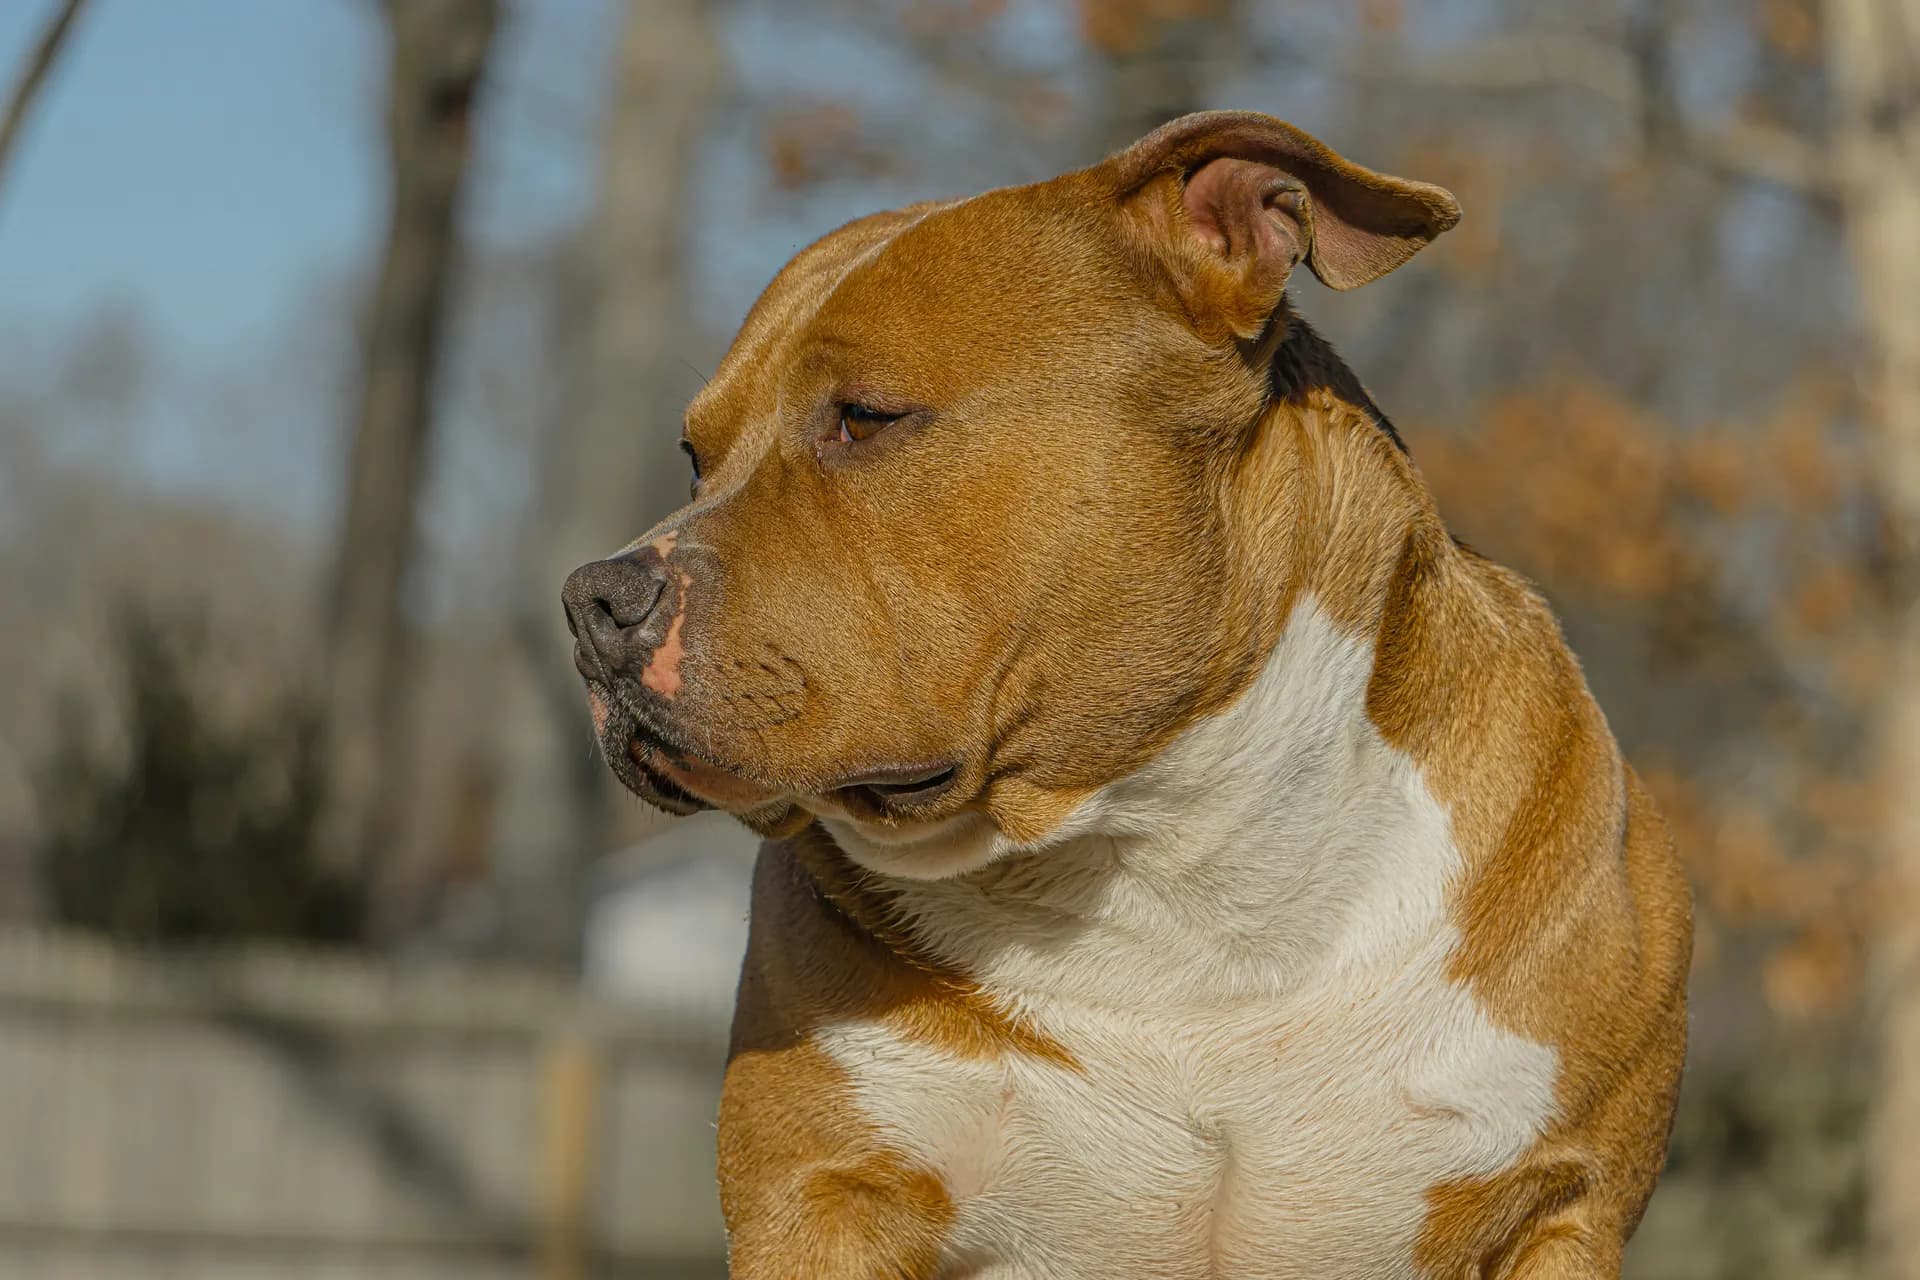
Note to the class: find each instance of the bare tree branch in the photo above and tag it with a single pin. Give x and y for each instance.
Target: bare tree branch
(1529, 62)
(32, 77)
(1766, 153)
(1873, 61)
(439, 52)
(1522, 62)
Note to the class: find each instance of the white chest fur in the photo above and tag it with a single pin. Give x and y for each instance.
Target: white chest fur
(1245, 946)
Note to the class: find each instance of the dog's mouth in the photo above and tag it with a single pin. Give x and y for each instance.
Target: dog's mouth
(886, 795)
(643, 759)
(657, 768)
(679, 774)
(642, 768)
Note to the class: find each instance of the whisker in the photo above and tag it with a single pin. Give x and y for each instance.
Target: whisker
(705, 381)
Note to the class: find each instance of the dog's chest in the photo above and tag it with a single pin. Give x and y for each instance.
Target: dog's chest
(1222, 1144)
(1267, 1063)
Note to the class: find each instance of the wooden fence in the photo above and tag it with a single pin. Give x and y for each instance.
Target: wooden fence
(273, 1115)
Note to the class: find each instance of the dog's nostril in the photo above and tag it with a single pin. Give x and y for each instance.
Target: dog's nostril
(629, 611)
(605, 599)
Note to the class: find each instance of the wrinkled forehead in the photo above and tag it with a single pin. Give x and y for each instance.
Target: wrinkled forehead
(902, 293)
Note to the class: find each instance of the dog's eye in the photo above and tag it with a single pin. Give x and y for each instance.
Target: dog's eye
(857, 422)
(686, 447)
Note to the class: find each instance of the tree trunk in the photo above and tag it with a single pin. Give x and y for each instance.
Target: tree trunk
(33, 77)
(1160, 61)
(439, 50)
(615, 467)
(1875, 60)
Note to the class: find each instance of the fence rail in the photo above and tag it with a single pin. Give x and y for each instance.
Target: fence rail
(267, 1112)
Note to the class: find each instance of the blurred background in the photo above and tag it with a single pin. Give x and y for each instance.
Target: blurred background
(332, 333)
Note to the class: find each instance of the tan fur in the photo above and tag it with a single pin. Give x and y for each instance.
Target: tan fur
(1124, 462)
(807, 1187)
(1577, 920)
(1473, 680)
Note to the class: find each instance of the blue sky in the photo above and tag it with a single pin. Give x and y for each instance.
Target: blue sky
(193, 161)
(204, 161)
(207, 169)
(204, 170)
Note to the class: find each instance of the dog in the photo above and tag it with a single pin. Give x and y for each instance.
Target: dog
(1184, 859)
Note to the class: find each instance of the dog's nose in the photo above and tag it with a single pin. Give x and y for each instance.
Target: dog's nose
(607, 602)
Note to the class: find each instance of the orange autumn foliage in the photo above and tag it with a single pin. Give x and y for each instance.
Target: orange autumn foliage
(1746, 542)
(1121, 27)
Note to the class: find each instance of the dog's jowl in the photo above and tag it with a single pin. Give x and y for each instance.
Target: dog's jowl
(1184, 859)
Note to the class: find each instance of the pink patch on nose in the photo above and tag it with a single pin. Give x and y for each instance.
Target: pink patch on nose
(661, 544)
(597, 707)
(663, 668)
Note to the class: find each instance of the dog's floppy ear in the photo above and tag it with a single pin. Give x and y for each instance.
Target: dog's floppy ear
(1240, 198)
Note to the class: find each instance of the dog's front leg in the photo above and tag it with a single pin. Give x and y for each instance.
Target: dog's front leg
(807, 1185)
(1563, 1252)
(807, 1190)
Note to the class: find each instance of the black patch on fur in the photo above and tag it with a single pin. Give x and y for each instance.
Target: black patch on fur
(1307, 362)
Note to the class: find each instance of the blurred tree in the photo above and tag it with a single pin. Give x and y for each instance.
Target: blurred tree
(1824, 862)
(612, 467)
(438, 52)
(32, 77)
(1161, 59)
(203, 825)
(1874, 66)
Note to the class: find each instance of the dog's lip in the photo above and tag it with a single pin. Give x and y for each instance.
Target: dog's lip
(634, 749)
(704, 781)
(652, 762)
(660, 787)
(887, 791)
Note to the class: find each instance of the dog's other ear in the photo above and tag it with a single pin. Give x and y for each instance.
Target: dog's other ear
(1240, 198)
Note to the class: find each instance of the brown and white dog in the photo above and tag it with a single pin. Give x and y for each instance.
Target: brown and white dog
(1185, 859)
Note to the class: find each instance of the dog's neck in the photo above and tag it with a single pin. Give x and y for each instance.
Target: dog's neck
(1322, 500)
(1283, 839)
(1304, 362)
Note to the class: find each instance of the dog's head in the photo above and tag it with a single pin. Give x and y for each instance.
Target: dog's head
(957, 552)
